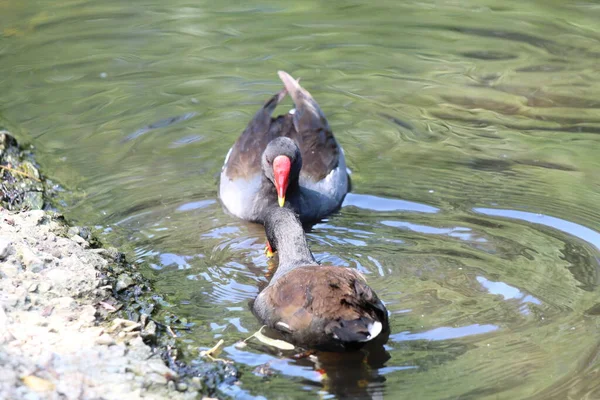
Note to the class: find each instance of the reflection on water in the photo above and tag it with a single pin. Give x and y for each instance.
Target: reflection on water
(445, 333)
(571, 228)
(376, 203)
(471, 130)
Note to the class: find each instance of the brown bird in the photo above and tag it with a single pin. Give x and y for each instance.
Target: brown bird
(312, 306)
(294, 156)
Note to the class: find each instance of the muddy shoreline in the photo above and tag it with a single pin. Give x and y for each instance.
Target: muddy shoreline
(76, 318)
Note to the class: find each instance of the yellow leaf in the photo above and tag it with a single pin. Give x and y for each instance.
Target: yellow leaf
(280, 344)
(38, 384)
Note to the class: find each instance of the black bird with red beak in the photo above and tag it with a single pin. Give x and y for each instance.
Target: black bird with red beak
(281, 165)
(281, 172)
(293, 158)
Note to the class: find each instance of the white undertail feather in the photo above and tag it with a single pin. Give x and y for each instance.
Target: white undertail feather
(374, 330)
(283, 325)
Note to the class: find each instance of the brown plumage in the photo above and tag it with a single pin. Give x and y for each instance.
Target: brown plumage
(312, 306)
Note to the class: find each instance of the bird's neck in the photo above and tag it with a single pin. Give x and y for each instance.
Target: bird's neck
(267, 197)
(283, 226)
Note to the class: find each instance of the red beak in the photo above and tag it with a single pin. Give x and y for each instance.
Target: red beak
(281, 171)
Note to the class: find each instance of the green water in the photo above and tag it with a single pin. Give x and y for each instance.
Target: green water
(472, 130)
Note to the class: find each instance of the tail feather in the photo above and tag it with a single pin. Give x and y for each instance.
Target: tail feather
(359, 330)
(308, 114)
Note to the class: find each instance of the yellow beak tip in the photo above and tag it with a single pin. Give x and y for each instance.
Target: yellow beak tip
(281, 201)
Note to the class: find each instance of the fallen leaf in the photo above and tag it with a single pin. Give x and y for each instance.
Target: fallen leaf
(280, 344)
(213, 350)
(38, 384)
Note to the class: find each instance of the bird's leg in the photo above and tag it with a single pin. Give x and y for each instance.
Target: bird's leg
(269, 250)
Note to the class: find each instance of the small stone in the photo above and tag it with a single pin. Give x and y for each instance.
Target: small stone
(10, 270)
(29, 169)
(171, 385)
(81, 241)
(105, 340)
(33, 200)
(32, 287)
(64, 302)
(101, 252)
(123, 282)
(5, 247)
(38, 217)
(149, 332)
(85, 233)
(43, 287)
(197, 383)
(116, 255)
(31, 261)
(182, 387)
(73, 231)
(87, 314)
(160, 368)
(11, 301)
(157, 379)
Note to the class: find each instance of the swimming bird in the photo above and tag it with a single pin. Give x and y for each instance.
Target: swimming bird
(312, 177)
(314, 306)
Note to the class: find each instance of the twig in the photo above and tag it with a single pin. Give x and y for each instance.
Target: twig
(12, 170)
(209, 353)
(171, 331)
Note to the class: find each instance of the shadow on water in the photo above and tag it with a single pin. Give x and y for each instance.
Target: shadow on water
(471, 130)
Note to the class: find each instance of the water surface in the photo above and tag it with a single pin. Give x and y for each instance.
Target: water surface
(471, 129)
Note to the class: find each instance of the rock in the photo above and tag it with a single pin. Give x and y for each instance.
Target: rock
(101, 252)
(31, 261)
(44, 286)
(182, 387)
(160, 368)
(9, 270)
(123, 282)
(105, 340)
(197, 383)
(156, 378)
(149, 332)
(6, 140)
(81, 241)
(5, 248)
(87, 314)
(116, 255)
(64, 303)
(85, 233)
(29, 169)
(37, 217)
(33, 200)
